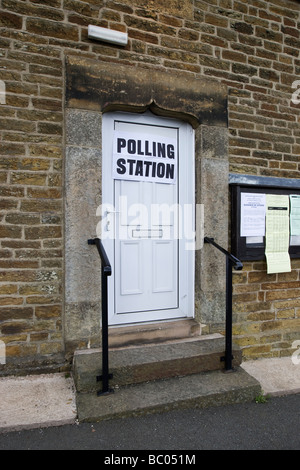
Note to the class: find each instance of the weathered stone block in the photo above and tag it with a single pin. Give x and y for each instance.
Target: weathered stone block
(83, 186)
(83, 128)
(107, 87)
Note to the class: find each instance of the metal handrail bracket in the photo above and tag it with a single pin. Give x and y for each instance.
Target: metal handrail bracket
(231, 261)
(105, 272)
(237, 264)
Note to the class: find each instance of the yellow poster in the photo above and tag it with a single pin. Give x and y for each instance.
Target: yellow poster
(277, 234)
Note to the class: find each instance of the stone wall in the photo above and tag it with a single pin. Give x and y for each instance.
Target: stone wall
(250, 47)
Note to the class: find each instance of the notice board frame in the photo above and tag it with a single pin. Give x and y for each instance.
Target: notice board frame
(263, 185)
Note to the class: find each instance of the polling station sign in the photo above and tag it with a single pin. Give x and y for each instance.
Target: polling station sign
(144, 157)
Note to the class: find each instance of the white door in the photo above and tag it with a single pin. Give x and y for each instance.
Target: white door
(148, 194)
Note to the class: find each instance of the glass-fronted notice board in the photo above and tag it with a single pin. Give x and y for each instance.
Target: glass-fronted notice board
(265, 224)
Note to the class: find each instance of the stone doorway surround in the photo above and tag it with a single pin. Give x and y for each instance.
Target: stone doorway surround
(93, 88)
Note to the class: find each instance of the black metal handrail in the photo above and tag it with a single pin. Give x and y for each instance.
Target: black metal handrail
(105, 272)
(231, 261)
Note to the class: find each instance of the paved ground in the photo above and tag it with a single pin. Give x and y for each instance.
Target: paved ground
(42, 412)
(36, 401)
(276, 376)
(266, 426)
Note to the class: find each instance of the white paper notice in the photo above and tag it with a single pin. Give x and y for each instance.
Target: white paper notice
(295, 214)
(144, 157)
(253, 213)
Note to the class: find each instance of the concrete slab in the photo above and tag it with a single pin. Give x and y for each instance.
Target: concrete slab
(203, 390)
(277, 376)
(151, 362)
(36, 401)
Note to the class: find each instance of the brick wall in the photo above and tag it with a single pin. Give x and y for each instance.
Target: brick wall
(252, 47)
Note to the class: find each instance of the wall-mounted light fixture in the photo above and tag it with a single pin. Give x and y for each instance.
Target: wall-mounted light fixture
(107, 35)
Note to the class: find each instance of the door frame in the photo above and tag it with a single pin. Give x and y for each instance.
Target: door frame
(186, 256)
(93, 88)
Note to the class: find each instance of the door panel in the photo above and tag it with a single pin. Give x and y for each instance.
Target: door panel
(149, 263)
(130, 261)
(164, 267)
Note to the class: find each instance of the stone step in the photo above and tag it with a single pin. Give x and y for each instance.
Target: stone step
(151, 362)
(192, 391)
(157, 332)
